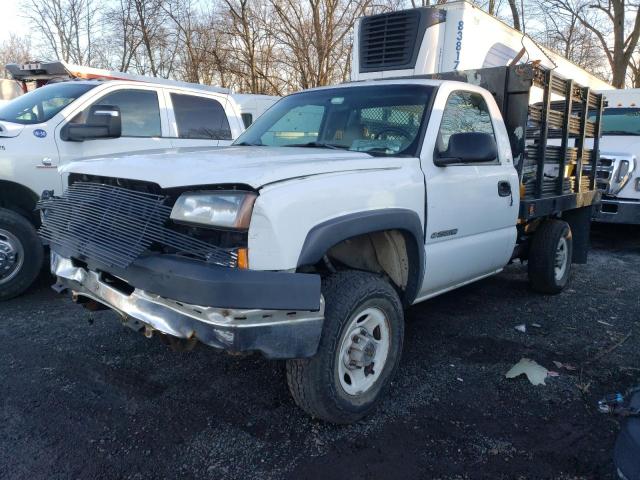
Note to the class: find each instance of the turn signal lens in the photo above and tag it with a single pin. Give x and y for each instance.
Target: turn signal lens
(243, 258)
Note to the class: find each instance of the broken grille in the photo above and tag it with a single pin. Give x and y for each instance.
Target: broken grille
(115, 226)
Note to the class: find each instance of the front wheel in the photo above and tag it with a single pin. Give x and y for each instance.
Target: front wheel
(550, 257)
(359, 351)
(21, 254)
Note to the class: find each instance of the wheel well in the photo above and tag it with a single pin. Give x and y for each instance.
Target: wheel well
(20, 199)
(393, 253)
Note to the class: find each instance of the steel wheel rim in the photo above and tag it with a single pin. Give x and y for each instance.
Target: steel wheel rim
(11, 256)
(356, 379)
(561, 258)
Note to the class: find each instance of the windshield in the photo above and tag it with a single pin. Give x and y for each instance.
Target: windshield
(380, 120)
(43, 103)
(621, 121)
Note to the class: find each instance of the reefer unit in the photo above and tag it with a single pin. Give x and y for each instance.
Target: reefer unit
(445, 38)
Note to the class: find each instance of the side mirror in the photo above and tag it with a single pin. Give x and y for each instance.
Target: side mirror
(103, 121)
(468, 147)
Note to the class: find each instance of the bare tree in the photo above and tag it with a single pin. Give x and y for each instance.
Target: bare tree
(254, 51)
(616, 25)
(634, 70)
(316, 33)
(67, 27)
(14, 50)
(515, 15)
(563, 32)
(124, 41)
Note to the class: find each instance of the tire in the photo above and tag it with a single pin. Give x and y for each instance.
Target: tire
(353, 300)
(19, 241)
(550, 257)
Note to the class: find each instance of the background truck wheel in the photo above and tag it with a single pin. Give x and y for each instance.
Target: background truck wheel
(359, 350)
(550, 257)
(21, 254)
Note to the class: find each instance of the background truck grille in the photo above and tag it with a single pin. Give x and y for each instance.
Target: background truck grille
(604, 174)
(115, 226)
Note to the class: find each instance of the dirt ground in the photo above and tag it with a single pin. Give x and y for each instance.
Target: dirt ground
(82, 397)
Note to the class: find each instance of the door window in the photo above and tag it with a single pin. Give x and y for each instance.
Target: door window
(139, 111)
(464, 112)
(200, 118)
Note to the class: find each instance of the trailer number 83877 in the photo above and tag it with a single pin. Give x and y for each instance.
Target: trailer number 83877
(458, 44)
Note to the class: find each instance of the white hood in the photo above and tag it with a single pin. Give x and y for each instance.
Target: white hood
(620, 144)
(253, 166)
(8, 129)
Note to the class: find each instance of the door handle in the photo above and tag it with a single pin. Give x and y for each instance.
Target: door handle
(504, 188)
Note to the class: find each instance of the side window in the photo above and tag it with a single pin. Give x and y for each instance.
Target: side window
(464, 112)
(298, 126)
(200, 118)
(247, 119)
(139, 110)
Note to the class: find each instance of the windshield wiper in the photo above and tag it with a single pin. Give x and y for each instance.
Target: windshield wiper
(318, 145)
(248, 144)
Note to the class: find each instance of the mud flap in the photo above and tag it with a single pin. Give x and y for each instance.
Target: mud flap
(579, 220)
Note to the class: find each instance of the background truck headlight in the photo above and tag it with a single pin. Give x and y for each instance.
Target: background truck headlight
(215, 209)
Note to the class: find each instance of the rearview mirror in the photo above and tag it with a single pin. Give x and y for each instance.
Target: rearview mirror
(468, 147)
(103, 121)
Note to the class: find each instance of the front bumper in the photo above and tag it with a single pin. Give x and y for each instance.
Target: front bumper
(618, 211)
(274, 333)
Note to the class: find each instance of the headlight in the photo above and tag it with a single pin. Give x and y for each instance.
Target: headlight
(215, 209)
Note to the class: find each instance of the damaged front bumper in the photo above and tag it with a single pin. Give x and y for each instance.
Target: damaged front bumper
(274, 333)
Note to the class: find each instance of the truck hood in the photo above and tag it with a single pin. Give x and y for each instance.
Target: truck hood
(9, 129)
(620, 144)
(253, 166)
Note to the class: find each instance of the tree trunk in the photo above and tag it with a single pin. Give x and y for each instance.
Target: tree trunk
(515, 15)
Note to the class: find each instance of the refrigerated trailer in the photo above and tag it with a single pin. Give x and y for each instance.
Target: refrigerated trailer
(450, 37)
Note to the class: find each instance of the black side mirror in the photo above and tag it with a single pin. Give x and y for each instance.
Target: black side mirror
(468, 147)
(103, 121)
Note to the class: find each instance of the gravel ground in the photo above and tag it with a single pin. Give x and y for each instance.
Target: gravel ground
(83, 397)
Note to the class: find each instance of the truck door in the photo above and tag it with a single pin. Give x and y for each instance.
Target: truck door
(200, 120)
(143, 125)
(472, 208)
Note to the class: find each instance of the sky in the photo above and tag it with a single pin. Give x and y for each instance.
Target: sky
(10, 20)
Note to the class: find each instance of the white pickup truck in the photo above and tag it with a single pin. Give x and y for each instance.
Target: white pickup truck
(77, 119)
(333, 212)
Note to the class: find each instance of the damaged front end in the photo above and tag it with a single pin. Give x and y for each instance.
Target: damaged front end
(113, 246)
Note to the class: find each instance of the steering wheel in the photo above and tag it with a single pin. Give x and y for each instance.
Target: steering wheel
(395, 131)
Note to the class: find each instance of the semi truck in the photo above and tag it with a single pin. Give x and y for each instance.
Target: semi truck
(80, 112)
(619, 172)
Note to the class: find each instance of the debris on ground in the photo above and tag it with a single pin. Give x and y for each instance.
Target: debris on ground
(534, 372)
(565, 366)
(521, 328)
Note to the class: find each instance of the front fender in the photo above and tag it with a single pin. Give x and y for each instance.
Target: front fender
(286, 213)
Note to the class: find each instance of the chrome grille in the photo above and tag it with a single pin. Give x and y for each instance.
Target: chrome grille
(115, 226)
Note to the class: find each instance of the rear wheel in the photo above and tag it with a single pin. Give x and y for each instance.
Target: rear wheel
(21, 254)
(550, 257)
(359, 350)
